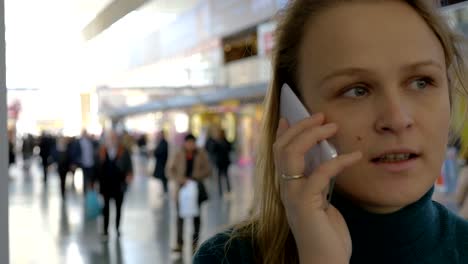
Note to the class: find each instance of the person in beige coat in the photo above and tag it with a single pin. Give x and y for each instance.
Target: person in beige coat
(193, 163)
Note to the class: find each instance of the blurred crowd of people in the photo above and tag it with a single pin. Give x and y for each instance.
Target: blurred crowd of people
(105, 163)
(107, 167)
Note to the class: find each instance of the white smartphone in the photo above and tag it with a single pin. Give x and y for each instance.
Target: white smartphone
(292, 109)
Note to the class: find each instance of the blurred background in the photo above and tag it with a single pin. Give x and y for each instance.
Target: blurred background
(78, 69)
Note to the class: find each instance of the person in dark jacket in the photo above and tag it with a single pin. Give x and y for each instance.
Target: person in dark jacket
(210, 145)
(84, 157)
(161, 154)
(222, 151)
(142, 144)
(46, 145)
(63, 162)
(27, 149)
(116, 172)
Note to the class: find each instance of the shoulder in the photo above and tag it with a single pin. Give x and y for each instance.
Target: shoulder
(461, 233)
(222, 249)
(456, 229)
(459, 225)
(179, 153)
(202, 153)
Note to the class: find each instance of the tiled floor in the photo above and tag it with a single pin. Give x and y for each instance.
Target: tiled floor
(43, 229)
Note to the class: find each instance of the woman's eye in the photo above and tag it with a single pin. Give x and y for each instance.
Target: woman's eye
(356, 92)
(420, 84)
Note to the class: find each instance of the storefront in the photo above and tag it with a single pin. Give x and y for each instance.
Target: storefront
(241, 124)
(206, 119)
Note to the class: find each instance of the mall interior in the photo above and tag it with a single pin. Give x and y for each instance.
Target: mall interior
(76, 69)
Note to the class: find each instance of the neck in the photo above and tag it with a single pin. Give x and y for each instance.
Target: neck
(392, 232)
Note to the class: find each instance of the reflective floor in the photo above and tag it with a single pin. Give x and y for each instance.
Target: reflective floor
(43, 229)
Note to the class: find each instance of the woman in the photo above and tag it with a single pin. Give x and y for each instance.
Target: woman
(223, 149)
(63, 162)
(28, 150)
(381, 78)
(116, 172)
(161, 155)
(190, 162)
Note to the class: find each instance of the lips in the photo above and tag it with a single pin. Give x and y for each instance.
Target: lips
(395, 156)
(397, 161)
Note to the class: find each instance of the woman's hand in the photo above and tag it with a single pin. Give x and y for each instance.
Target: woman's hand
(320, 231)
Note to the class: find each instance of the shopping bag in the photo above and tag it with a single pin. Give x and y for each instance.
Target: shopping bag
(188, 200)
(92, 205)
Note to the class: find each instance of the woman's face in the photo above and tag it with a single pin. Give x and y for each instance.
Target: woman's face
(379, 72)
(112, 139)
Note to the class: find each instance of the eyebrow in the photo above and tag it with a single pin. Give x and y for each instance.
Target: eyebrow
(356, 70)
(415, 66)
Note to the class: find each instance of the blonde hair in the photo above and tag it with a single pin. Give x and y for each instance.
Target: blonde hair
(268, 228)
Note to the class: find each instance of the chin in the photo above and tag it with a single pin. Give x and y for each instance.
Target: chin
(384, 195)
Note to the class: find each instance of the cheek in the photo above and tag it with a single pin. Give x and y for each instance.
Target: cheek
(438, 134)
(351, 136)
(348, 144)
(436, 126)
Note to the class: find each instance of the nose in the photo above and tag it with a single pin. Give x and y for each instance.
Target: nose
(394, 115)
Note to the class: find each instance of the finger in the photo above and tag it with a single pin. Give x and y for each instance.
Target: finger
(282, 127)
(302, 143)
(290, 186)
(320, 178)
(291, 157)
(317, 183)
(297, 128)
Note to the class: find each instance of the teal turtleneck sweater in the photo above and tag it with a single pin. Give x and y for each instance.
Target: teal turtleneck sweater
(423, 232)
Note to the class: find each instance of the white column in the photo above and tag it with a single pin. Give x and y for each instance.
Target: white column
(4, 245)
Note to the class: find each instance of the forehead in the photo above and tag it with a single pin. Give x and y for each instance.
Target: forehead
(376, 35)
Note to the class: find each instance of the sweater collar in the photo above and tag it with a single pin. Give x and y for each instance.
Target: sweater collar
(400, 237)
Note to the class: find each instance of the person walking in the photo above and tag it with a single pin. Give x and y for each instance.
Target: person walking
(115, 173)
(222, 151)
(161, 155)
(190, 163)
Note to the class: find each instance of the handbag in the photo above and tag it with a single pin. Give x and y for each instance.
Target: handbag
(202, 193)
(93, 206)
